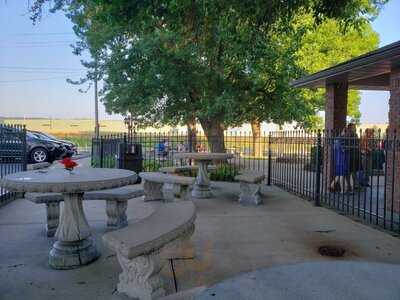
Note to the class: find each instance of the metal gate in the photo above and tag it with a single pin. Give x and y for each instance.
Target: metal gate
(12, 155)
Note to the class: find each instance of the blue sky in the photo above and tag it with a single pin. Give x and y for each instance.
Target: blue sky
(36, 60)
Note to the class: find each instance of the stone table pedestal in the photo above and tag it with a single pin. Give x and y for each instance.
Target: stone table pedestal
(74, 246)
(201, 188)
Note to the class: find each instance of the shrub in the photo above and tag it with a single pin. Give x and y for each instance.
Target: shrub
(225, 172)
(109, 161)
(150, 165)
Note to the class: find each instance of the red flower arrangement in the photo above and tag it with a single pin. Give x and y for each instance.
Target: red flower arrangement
(68, 163)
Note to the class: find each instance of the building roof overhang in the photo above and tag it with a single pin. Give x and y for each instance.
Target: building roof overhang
(370, 71)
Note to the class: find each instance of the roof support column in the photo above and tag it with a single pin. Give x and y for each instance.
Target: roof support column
(336, 106)
(335, 121)
(393, 149)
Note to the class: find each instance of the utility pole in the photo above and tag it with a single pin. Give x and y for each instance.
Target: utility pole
(96, 106)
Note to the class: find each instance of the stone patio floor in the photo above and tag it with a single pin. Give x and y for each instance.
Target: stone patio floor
(229, 239)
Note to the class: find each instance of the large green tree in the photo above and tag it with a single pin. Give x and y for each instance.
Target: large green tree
(290, 55)
(328, 45)
(175, 61)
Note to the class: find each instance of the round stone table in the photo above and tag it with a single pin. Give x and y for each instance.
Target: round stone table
(201, 188)
(336, 280)
(74, 246)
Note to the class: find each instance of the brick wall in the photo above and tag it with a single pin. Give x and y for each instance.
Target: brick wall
(393, 153)
(336, 106)
(335, 116)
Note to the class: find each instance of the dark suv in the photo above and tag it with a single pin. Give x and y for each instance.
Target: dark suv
(41, 150)
(70, 147)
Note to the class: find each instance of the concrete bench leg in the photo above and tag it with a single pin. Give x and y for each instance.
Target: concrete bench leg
(250, 193)
(177, 190)
(116, 213)
(140, 277)
(181, 192)
(152, 191)
(186, 192)
(53, 216)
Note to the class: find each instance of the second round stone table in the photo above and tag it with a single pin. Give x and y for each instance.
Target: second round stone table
(201, 188)
(329, 280)
(74, 246)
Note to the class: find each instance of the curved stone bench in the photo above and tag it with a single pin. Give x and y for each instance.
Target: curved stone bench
(138, 246)
(250, 186)
(116, 204)
(179, 169)
(154, 182)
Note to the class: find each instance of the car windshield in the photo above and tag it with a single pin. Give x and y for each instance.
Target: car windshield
(49, 136)
(31, 135)
(43, 136)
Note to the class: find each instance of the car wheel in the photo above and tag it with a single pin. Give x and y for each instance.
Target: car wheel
(39, 155)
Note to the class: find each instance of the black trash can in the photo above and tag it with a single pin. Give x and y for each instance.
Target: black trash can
(133, 159)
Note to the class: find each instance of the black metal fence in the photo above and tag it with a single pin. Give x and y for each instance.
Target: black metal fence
(159, 150)
(352, 173)
(12, 155)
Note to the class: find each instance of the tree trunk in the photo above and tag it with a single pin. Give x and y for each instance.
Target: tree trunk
(214, 131)
(192, 135)
(256, 131)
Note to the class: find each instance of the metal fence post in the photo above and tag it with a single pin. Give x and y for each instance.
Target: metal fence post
(318, 170)
(124, 151)
(269, 159)
(92, 152)
(101, 152)
(24, 150)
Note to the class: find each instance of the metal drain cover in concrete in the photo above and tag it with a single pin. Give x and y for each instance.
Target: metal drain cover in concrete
(312, 281)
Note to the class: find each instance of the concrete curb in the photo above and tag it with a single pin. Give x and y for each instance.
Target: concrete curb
(38, 166)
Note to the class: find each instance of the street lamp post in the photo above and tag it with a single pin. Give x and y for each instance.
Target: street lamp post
(130, 124)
